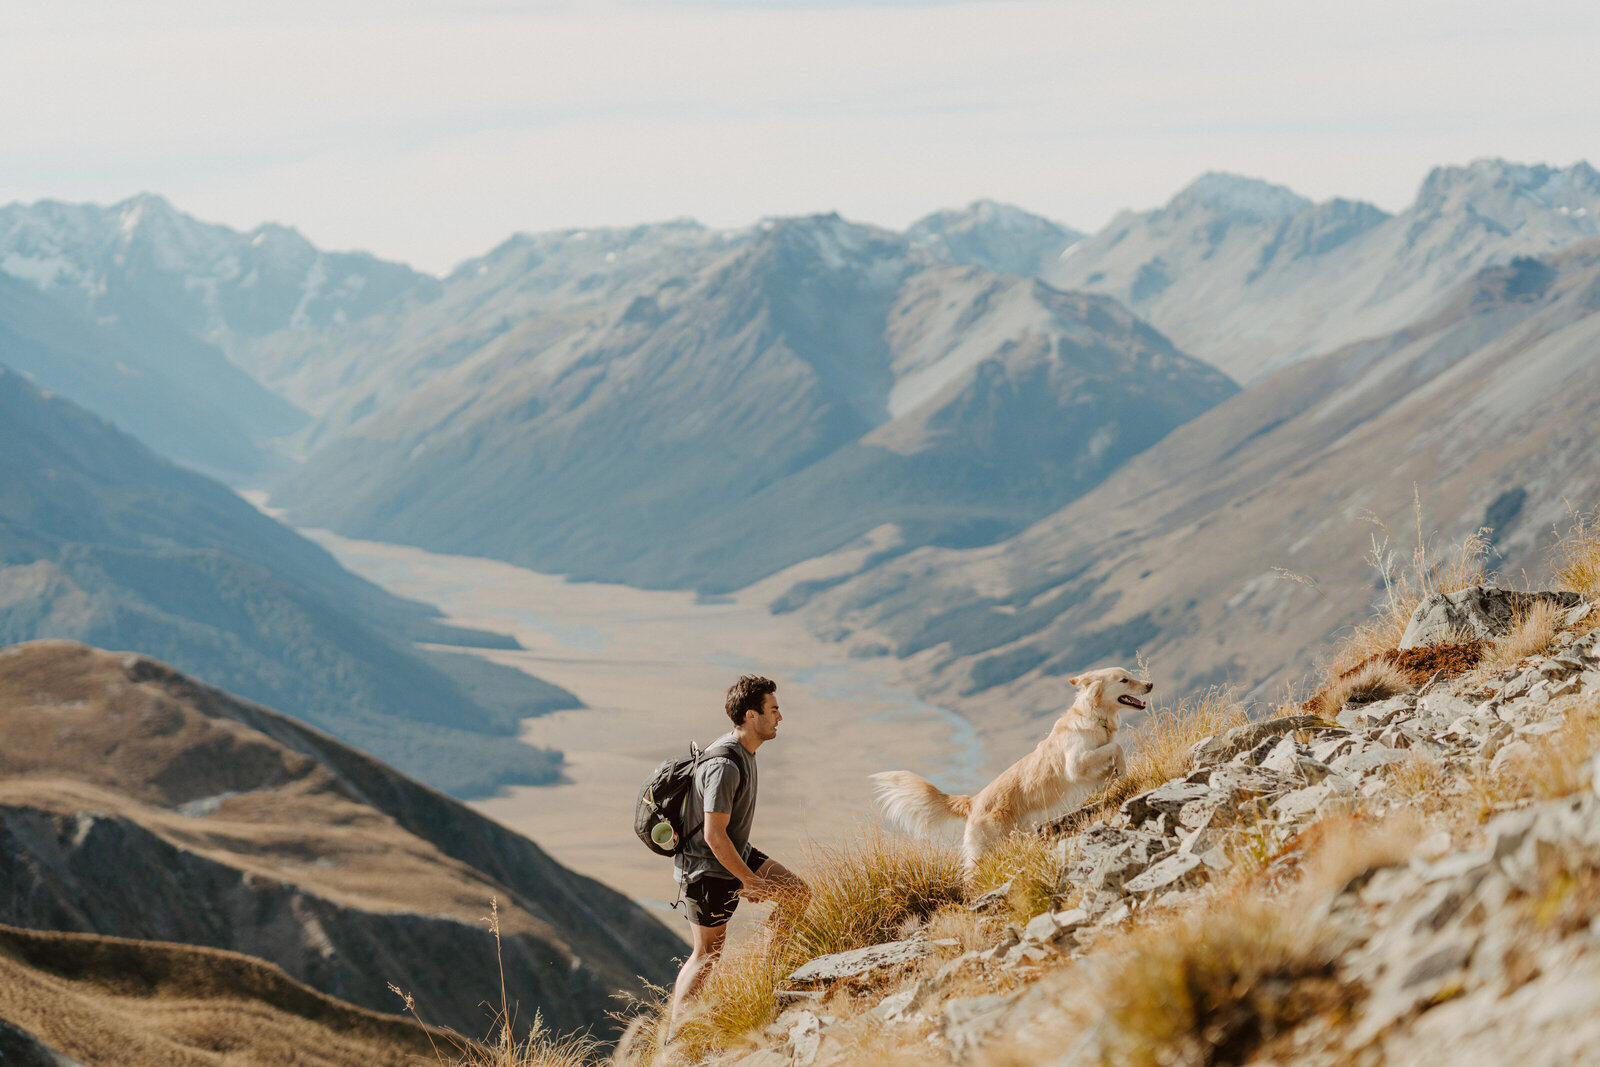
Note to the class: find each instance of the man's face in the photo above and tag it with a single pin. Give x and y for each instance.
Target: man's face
(767, 719)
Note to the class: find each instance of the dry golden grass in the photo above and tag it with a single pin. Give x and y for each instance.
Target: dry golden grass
(1212, 985)
(1375, 680)
(1575, 559)
(1557, 764)
(1408, 579)
(864, 889)
(1531, 633)
(1029, 862)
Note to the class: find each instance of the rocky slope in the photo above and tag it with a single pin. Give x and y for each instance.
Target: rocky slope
(138, 803)
(1250, 277)
(1414, 879)
(102, 541)
(785, 396)
(1483, 409)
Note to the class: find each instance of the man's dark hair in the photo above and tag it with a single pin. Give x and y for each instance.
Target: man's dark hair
(749, 693)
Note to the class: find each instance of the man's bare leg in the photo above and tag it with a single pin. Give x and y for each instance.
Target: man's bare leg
(789, 902)
(705, 947)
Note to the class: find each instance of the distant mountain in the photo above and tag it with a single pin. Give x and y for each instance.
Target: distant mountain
(1487, 407)
(997, 237)
(102, 541)
(737, 407)
(1251, 277)
(146, 306)
(532, 291)
(138, 803)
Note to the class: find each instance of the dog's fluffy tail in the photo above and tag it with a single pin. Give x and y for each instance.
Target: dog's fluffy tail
(918, 805)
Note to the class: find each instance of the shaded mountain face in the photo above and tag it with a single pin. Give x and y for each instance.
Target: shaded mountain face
(1487, 408)
(1251, 277)
(532, 290)
(996, 237)
(814, 381)
(136, 802)
(101, 540)
(143, 306)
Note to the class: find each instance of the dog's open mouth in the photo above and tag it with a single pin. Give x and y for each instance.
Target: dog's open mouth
(1131, 701)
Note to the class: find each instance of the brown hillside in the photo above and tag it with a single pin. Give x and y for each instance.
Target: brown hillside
(136, 802)
(103, 1000)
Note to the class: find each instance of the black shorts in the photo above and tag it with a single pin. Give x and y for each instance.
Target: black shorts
(711, 902)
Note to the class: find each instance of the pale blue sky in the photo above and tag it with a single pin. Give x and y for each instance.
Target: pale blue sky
(428, 132)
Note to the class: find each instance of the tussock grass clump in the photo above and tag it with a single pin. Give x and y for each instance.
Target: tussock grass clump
(864, 889)
(1575, 559)
(1409, 579)
(1212, 986)
(1531, 633)
(1029, 861)
(1374, 680)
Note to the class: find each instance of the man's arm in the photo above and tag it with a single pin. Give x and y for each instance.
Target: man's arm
(722, 847)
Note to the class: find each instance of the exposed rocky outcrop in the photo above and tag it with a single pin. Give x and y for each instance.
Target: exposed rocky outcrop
(1469, 944)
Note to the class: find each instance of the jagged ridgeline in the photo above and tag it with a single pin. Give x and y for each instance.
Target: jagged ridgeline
(672, 406)
(104, 542)
(136, 802)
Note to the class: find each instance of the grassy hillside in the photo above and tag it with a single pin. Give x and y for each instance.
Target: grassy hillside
(1403, 869)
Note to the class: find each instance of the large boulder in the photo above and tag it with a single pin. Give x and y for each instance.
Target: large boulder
(1475, 613)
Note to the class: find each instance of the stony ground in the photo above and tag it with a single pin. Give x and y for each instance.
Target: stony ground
(1414, 880)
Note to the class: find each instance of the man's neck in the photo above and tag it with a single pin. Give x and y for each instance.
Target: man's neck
(747, 737)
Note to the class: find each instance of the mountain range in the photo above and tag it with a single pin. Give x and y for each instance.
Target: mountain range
(103, 541)
(813, 381)
(1251, 276)
(1483, 411)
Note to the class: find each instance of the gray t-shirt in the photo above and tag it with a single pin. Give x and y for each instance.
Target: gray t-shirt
(725, 782)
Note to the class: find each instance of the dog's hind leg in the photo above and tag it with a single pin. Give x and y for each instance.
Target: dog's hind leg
(979, 837)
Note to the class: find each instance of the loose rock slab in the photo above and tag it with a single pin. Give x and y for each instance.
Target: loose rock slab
(1479, 612)
(858, 963)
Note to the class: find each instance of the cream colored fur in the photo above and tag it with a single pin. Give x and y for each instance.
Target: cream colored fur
(1072, 764)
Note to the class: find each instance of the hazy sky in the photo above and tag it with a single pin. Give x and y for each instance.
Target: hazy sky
(428, 132)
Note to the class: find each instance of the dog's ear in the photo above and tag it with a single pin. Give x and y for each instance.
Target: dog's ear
(1076, 682)
(1095, 692)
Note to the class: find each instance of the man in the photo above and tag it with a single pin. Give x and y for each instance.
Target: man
(717, 864)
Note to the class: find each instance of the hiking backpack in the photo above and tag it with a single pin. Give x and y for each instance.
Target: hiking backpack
(660, 815)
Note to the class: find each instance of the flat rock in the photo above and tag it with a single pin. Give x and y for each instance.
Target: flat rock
(1358, 764)
(1175, 869)
(1477, 612)
(1241, 783)
(1052, 925)
(1166, 799)
(860, 962)
(1226, 745)
(1291, 807)
(967, 1023)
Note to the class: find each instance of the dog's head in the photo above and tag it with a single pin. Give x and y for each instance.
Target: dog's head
(1111, 690)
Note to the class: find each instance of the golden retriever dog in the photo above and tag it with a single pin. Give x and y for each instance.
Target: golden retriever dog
(1078, 758)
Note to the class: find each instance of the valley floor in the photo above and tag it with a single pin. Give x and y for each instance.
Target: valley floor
(652, 667)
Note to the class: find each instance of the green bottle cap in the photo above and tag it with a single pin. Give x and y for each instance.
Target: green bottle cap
(663, 834)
